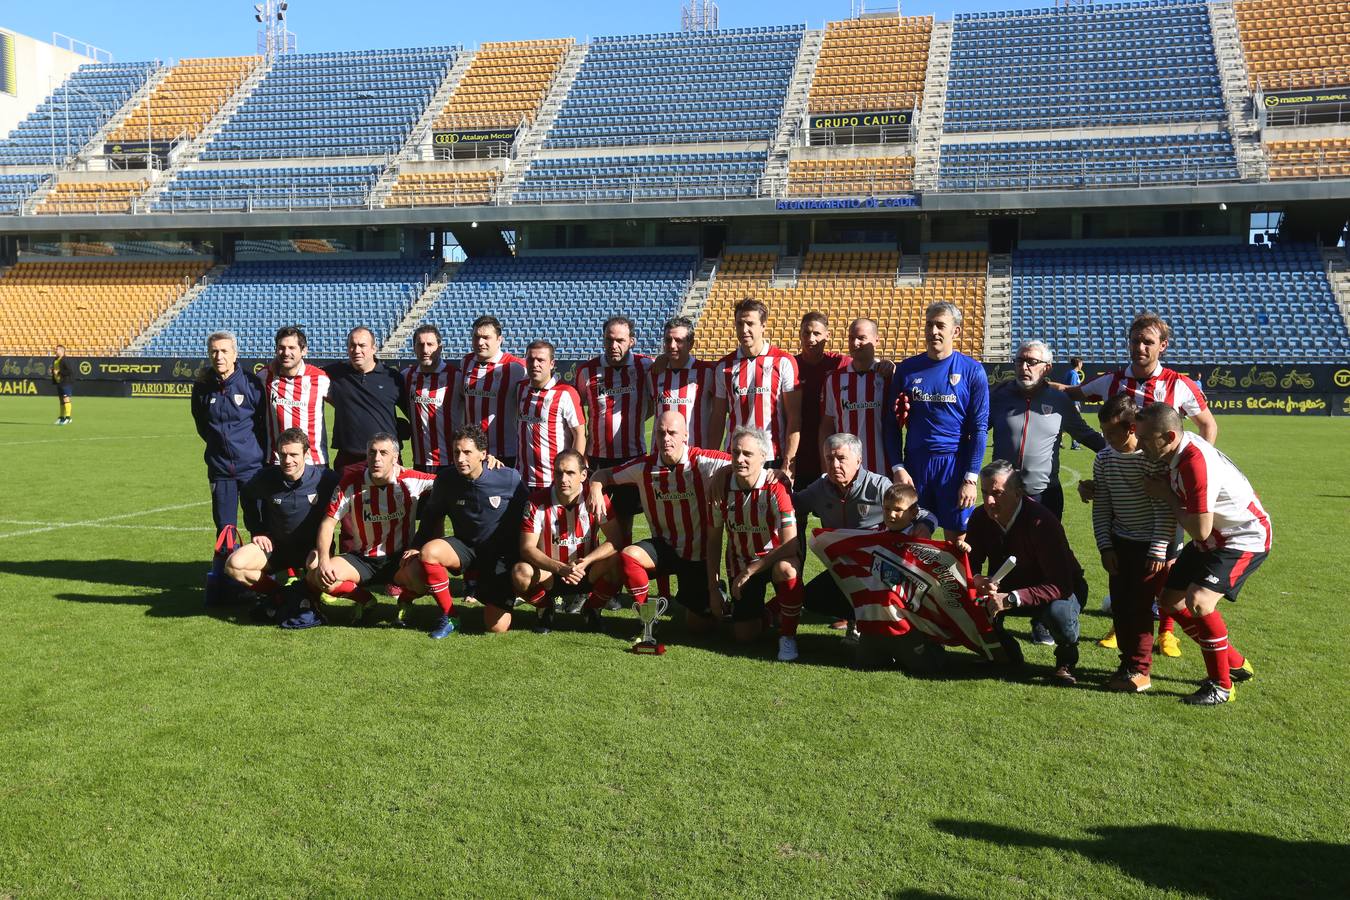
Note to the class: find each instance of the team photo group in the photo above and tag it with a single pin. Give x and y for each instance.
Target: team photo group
(925, 547)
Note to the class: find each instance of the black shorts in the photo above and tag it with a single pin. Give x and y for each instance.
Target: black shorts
(491, 571)
(63, 391)
(750, 607)
(692, 593)
(1221, 569)
(374, 569)
(288, 555)
(625, 497)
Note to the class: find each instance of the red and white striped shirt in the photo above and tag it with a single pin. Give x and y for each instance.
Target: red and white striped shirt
(1163, 386)
(296, 401)
(545, 418)
(617, 404)
(1206, 481)
(674, 498)
(431, 409)
(753, 518)
(856, 401)
(567, 533)
(488, 395)
(754, 388)
(378, 520)
(687, 391)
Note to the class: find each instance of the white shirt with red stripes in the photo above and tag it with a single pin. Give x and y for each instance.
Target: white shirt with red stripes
(378, 520)
(545, 419)
(1163, 386)
(754, 388)
(688, 391)
(296, 401)
(567, 532)
(856, 401)
(1206, 481)
(674, 497)
(616, 404)
(488, 395)
(432, 399)
(753, 518)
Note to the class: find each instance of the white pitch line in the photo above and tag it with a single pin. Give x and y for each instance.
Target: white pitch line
(106, 519)
(108, 525)
(121, 437)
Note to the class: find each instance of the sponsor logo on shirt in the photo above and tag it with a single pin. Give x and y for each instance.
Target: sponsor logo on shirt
(288, 403)
(479, 392)
(930, 397)
(530, 420)
(382, 517)
(675, 400)
(855, 405)
(675, 496)
(615, 391)
(433, 399)
(753, 389)
(570, 541)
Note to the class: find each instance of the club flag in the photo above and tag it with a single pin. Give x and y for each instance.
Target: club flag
(897, 583)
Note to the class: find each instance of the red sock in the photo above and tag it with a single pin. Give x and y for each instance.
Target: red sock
(1211, 634)
(636, 579)
(790, 607)
(265, 585)
(601, 593)
(396, 591)
(352, 590)
(537, 598)
(438, 584)
(663, 585)
(1166, 624)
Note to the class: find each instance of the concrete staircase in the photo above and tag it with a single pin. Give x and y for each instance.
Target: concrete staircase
(1338, 273)
(418, 145)
(393, 346)
(35, 199)
(137, 346)
(794, 111)
(697, 296)
(998, 309)
(533, 138)
(928, 141)
(1237, 95)
(95, 145)
(786, 272)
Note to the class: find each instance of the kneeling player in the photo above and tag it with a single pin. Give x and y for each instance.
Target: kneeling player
(560, 547)
(1230, 538)
(293, 497)
(484, 506)
(376, 503)
(756, 511)
(673, 486)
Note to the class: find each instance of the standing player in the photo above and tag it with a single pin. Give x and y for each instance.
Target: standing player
(680, 383)
(756, 511)
(946, 397)
(560, 546)
(1230, 539)
(376, 504)
(814, 365)
(613, 389)
(432, 398)
(295, 392)
(62, 376)
(673, 485)
(366, 395)
(1074, 379)
(855, 398)
(757, 388)
(489, 377)
(549, 418)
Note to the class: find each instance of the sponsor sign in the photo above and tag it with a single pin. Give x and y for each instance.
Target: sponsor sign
(907, 201)
(1309, 97)
(160, 389)
(1277, 404)
(485, 136)
(832, 121)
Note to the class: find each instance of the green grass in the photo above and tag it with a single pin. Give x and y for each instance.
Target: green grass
(149, 749)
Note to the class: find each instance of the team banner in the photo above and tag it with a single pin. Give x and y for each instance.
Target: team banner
(1309, 97)
(1249, 379)
(485, 136)
(897, 583)
(832, 121)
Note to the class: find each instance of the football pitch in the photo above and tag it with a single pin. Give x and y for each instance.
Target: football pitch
(148, 748)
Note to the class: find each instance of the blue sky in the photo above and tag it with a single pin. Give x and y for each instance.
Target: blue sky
(172, 29)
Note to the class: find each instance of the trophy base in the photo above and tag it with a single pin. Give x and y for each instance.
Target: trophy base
(648, 648)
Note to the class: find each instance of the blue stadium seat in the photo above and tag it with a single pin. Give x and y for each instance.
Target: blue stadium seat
(64, 122)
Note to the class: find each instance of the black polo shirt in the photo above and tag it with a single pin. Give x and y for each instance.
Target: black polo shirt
(364, 404)
(292, 510)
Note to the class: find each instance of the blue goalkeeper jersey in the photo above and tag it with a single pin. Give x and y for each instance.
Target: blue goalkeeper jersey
(948, 411)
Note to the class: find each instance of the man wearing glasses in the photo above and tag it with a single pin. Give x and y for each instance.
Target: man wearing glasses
(1027, 416)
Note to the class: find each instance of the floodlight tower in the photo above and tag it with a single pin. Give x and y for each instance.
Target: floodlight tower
(698, 15)
(274, 38)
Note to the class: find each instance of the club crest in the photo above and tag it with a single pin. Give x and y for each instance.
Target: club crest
(954, 379)
(1047, 409)
(312, 498)
(238, 399)
(495, 502)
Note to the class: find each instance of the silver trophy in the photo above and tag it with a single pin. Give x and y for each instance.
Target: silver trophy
(648, 613)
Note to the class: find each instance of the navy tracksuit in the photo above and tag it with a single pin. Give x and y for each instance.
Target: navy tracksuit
(229, 416)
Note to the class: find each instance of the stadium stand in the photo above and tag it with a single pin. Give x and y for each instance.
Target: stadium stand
(183, 103)
(565, 299)
(1292, 44)
(504, 86)
(1128, 64)
(326, 297)
(1326, 158)
(846, 286)
(361, 103)
(271, 188)
(1086, 162)
(15, 189)
(68, 119)
(689, 87)
(862, 177)
(451, 188)
(1229, 304)
(92, 197)
(94, 308)
(655, 176)
(872, 63)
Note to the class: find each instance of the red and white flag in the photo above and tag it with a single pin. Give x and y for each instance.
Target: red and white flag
(897, 583)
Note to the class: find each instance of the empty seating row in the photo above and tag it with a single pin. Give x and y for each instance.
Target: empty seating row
(866, 176)
(186, 100)
(75, 197)
(873, 63)
(74, 112)
(453, 188)
(271, 188)
(1326, 158)
(649, 177)
(1292, 44)
(504, 85)
(15, 189)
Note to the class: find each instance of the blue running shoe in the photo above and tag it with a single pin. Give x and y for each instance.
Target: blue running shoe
(444, 628)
